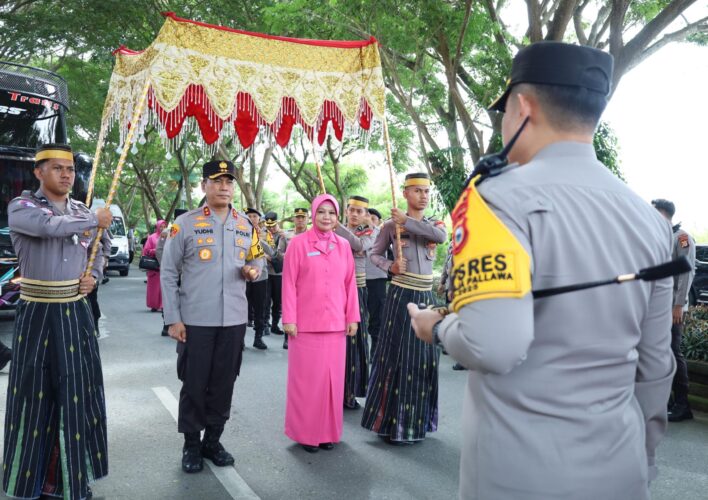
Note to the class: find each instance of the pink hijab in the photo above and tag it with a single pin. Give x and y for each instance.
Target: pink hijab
(326, 240)
(161, 224)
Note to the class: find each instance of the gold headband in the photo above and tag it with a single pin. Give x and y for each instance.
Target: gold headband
(49, 154)
(358, 203)
(416, 181)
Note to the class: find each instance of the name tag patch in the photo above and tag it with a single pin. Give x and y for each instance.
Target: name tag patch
(313, 254)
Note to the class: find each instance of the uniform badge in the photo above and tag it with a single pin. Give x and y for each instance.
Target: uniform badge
(205, 254)
(87, 233)
(203, 224)
(239, 242)
(28, 204)
(242, 255)
(683, 240)
(174, 230)
(200, 241)
(200, 217)
(210, 240)
(206, 211)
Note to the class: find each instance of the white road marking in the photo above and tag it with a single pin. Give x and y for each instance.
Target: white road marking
(229, 478)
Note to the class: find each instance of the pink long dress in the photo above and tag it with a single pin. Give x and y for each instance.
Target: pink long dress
(320, 297)
(153, 297)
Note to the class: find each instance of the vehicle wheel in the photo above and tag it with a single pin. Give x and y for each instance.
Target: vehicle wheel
(124, 272)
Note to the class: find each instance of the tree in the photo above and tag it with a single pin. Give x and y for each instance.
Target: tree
(446, 61)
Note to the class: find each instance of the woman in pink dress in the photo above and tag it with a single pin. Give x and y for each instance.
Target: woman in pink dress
(154, 295)
(320, 307)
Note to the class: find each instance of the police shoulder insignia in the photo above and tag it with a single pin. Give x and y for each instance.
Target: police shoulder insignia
(683, 240)
(234, 212)
(206, 211)
(439, 223)
(174, 230)
(488, 260)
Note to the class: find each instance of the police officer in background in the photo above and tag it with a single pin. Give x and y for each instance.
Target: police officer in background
(684, 245)
(257, 290)
(300, 217)
(376, 279)
(278, 242)
(566, 395)
(210, 254)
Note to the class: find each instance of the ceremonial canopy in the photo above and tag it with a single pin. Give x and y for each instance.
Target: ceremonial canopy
(231, 81)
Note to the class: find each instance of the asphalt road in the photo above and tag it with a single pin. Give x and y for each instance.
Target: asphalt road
(145, 449)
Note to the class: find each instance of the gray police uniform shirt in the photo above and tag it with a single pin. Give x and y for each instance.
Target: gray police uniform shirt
(566, 397)
(683, 245)
(280, 244)
(361, 239)
(51, 244)
(419, 240)
(208, 255)
(267, 250)
(373, 272)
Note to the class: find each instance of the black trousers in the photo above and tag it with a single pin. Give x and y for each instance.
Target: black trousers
(208, 364)
(376, 299)
(256, 294)
(275, 285)
(680, 383)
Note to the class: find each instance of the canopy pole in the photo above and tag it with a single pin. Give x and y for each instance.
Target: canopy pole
(96, 161)
(399, 247)
(119, 169)
(317, 164)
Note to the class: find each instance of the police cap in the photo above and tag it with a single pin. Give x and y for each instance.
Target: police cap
(271, 219)
(300, 212)
(556, 63)
(250, 210)
(375, 212)
(214, 169)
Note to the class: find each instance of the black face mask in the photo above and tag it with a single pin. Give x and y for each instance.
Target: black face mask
(492, 165)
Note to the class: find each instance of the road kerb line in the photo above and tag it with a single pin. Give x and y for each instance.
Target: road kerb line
(227, 476)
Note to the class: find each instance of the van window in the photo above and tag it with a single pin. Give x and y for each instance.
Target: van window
(117, 227)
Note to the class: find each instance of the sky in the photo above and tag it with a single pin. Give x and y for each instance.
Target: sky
(660, 115)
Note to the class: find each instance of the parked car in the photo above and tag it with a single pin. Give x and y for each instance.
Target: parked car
(699, 288)
(119, 260)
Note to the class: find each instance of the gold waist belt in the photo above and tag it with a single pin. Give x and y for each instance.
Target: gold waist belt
(360, 280)
(420, 282)
(49, 291)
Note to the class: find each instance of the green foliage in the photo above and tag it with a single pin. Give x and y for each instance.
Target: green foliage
(607, 148)
(694, 343)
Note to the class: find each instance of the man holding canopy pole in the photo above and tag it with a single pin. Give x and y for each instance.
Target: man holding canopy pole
(55, 427)
(566, 394)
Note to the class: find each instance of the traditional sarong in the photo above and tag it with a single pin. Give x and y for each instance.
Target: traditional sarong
(314, 412)
(356, 375)
(402, 398)
(55, 426)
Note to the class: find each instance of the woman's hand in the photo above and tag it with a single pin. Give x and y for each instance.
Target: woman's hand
(290, 329)
(351, 329)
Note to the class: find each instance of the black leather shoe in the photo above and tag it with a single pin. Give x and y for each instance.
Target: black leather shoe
(5, 357)
(353, 406)
(192, 460)
(326, 446)
(679, 413)
(392, 442)
(458, 367)
(217, 454)
(259, 344)
(277, 331)
(310, 449)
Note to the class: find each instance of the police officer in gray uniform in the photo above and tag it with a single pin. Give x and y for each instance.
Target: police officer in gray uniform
(684, 245)
(257, 290)
(566, 395)
(205, 266)
(376, 279)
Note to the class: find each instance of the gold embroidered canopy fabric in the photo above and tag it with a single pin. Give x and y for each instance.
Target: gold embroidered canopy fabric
(220, 76)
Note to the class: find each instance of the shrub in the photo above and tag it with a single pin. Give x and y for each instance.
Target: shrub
(694, 343)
